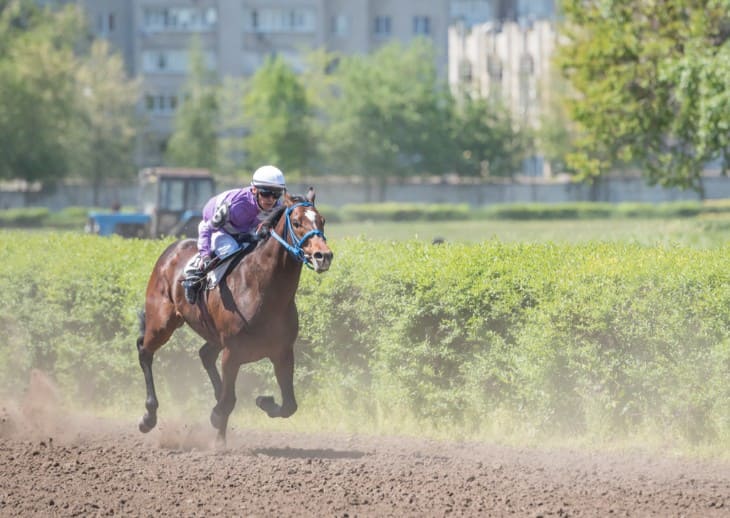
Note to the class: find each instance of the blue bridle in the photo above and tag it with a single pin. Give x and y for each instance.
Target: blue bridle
(295, 248)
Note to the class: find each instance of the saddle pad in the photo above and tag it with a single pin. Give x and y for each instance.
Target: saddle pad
(214, 277)
(216, 274)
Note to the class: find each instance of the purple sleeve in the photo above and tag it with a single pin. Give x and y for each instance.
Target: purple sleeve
(205, 229)
(204, 232)
(244, 211)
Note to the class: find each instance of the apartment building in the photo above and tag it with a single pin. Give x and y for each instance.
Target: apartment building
(502, 49)
(238, 35)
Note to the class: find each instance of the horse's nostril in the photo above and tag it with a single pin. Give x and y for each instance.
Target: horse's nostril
(322, 256)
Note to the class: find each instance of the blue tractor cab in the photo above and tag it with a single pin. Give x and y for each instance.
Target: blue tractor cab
(170, 204)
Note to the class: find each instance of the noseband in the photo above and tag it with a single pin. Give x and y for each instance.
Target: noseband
(295, 248)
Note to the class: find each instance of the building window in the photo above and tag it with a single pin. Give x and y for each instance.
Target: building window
(104, 23)
(279, 19)
(340, 25)
(494, 68)
(180, 19)
(421, 25)
(465, 71)
(160, 104)
(382, 26)
(172, 61)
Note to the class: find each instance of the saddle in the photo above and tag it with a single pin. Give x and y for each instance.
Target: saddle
(219, 267)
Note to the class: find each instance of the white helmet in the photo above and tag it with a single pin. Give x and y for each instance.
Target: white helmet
(268, 176)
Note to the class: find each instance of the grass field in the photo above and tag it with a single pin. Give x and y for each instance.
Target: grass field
(702, 232)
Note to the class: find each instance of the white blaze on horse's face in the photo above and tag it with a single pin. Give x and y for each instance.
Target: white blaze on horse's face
(315, 248)
(312, 216)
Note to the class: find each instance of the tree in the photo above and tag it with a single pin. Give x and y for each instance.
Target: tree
(321, 84)
(194, 142)
(106, 126)
(555, 135)
(278, 117)
(702, 93)
(488, 143)
(391, 117)
(650, 86)
(37, 94)
(231, 149)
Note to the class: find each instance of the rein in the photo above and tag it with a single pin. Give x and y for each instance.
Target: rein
(295, 248)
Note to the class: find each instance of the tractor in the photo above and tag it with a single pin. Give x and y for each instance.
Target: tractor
(170, 202)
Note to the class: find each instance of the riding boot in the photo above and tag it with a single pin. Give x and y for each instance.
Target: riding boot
(192, 283)
(193, 280)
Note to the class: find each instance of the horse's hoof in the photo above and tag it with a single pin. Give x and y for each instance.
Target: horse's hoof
(220, 443)
(268, 405)
(216, 420)
(147, 423)
(287, 411)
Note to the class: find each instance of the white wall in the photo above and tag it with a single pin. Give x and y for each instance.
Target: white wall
(613, 190)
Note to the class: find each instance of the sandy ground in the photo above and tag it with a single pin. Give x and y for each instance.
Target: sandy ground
(53, 464)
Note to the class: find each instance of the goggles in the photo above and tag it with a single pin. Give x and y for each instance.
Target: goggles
(269, 193)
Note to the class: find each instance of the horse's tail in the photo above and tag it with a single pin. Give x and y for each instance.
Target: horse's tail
(142, 319)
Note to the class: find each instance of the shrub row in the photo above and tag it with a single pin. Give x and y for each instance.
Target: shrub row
(598, 338)
(588, 339)
(524, 211)
(69, 218)
(75, 217)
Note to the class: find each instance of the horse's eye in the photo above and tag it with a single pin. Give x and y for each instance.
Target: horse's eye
(296, 224)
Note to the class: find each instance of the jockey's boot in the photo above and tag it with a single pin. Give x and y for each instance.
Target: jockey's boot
(192, 283)
(193, 280)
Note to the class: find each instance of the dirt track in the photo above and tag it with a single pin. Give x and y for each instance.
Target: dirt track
(69, 466)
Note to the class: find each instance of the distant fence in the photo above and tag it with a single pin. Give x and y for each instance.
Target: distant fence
(613, 190)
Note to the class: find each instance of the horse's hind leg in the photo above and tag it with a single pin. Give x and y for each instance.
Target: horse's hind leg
(208, 355)
(152, 337)
(149, 419)
(284, 371)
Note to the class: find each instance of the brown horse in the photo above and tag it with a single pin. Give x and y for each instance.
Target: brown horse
(251, 315)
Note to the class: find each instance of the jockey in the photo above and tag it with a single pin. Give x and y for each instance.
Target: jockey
(226, 217)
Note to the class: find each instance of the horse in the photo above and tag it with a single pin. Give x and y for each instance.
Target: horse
(249, 316)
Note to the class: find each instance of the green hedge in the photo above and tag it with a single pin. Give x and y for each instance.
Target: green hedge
(583, 339)
(393, 211)
(26, 217)
(74, 217)
(70, 218)
(527, 211)
(589, 340)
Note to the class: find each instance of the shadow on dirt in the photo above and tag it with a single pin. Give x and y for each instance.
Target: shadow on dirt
(300, 453)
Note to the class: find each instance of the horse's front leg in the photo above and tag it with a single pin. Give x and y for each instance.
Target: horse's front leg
(208, 355)
(227, 398)
(284, 370)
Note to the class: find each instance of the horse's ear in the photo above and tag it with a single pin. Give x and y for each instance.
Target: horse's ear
(311, 195)
(288, 201)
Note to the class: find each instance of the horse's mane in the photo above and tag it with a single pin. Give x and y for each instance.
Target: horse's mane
(268, 221)
(272, 218)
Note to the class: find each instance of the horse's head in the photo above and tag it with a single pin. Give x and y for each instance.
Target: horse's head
(302, 232)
